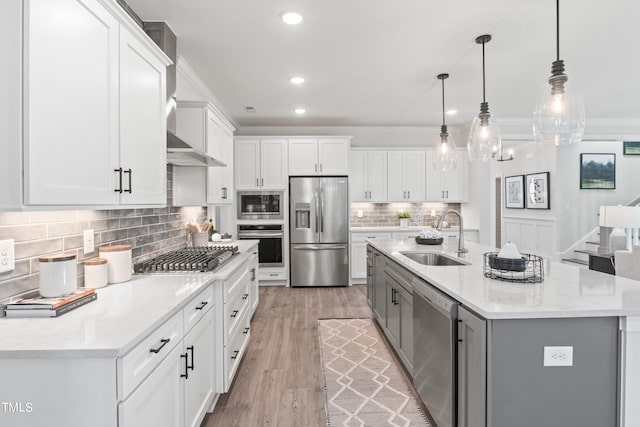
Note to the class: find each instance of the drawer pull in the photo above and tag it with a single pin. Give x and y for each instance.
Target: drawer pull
(186, 366)
(202, 305)
(190, 348)
(164, 342)
(246, 331)
(245, 296)
(273, 274)
(235, 313)
(235, 354)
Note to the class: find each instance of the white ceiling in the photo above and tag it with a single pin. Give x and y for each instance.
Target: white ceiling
(374, 62)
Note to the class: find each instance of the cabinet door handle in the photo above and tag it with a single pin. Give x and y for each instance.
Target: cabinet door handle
(130, 185)
(235, 313)
(245, 296)
(235, 354)
(315, 167)
(190, 348)
(163, 342)
(257, 182)
(320, 167)
(186, 366)
(408, 194)
(224, 192)
(253, 274)
(119, 189)
(202, 305)
(393, 296)
(447, 194)
(246, 331)
(261, 182)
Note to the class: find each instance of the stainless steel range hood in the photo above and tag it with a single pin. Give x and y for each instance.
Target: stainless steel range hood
(179, 152)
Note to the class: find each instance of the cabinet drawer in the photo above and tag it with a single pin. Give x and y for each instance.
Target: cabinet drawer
(271, 275)
(235, 310)
(234, 351)
(232, 284)
(134, 366)
(197, 308)
(361, 237)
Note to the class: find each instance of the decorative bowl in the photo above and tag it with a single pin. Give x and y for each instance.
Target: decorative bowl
(425, 241)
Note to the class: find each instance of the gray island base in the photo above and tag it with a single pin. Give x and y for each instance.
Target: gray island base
(490, 353)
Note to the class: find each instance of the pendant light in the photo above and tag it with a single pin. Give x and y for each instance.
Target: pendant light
(484, 138)
(444, 157)
(559, 114)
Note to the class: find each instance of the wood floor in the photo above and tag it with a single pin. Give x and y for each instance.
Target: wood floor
(279, 382)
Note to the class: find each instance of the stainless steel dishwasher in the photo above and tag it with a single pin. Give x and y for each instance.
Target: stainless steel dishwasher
(434, 357)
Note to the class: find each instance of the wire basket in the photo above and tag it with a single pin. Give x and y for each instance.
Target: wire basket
(529, 269)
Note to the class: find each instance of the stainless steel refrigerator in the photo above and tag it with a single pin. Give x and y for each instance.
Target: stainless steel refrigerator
(319, 231)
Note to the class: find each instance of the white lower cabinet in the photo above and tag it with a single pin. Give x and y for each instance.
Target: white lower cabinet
(359, 253)
(159, 399)
(180, 389)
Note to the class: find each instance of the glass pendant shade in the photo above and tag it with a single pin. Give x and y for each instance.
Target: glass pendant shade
(444, 157)
(559, 116)
(484, 139)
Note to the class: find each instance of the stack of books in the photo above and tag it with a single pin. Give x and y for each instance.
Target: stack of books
(38, 306)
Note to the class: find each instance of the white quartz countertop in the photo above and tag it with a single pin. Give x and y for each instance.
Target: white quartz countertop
(121, 316)
(566, 291)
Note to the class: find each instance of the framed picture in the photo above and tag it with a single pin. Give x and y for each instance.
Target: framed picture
(514, 192)
(631, 148)
(537, 190)
(597, 171)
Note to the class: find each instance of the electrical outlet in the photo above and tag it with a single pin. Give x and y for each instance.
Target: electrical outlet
(360, 213)
(89, 244)
(7, 255)
(433, 212)
(558, 356)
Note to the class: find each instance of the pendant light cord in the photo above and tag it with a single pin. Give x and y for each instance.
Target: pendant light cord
(557, 30)
(483, 82)
(443, 123)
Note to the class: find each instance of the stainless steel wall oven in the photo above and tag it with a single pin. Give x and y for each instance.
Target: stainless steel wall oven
(271, 237)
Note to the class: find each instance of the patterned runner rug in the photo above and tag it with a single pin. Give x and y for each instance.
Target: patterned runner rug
(363, 385)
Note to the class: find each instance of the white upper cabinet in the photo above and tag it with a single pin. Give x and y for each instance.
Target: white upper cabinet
(451, 185)
(199, 124)
(406, 176)
(71, 79)
(261, 164)
(318, 156)
(368, 176)
(143, 123)
(93, 119)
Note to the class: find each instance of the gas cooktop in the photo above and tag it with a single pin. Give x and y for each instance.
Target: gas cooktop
(194, 259)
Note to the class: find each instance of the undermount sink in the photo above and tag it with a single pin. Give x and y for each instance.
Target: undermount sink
(433, 258)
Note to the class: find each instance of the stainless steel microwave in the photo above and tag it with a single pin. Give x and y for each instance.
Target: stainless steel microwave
(261, 205)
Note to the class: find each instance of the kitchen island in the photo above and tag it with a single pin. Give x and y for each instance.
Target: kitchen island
(156, 350)
(500, 375)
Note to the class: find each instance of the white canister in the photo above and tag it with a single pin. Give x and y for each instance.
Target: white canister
(58, 275)
(118, 262)
(95, 273)
(199, 239)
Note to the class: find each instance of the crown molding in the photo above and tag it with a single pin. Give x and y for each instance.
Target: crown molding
(192, 77)
(338, 130)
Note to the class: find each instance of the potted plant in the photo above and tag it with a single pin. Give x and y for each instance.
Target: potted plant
(404, 218)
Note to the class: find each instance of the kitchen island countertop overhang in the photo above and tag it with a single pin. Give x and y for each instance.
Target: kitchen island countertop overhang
(566, 291)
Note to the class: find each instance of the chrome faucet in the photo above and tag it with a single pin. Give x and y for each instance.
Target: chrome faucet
(461, 248)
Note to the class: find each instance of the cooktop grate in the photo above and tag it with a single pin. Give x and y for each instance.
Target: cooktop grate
(202, 259)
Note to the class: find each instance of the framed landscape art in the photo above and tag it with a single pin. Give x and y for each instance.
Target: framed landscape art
(597, 171)
(537, 191)
(514, 192)
(631, 148)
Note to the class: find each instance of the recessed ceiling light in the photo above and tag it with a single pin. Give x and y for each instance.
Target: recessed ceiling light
(297, 80)
(250, 109)
(452, 112)
(291, 18)
(300, 111)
